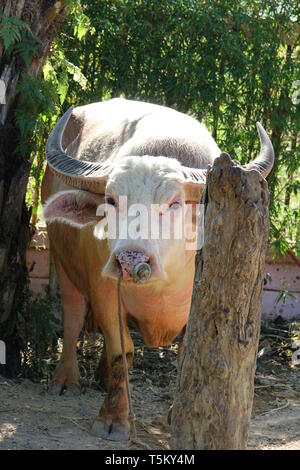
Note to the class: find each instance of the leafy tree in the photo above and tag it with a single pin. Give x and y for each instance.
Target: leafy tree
(27, 105)
(228, 63)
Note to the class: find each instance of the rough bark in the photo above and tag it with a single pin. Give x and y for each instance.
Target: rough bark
(215, 385)
(44, 18)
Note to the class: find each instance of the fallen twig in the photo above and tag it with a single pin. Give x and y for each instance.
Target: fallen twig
(269, 335)
(74, 422)
(270, 385)
(274, 409)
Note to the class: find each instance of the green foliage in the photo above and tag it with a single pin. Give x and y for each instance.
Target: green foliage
(37, 107)
(80, 21)
(58, 70)
(12, 30)
(284, 295)
(17, 38)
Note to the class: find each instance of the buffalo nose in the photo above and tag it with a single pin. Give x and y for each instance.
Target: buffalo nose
(134, 265)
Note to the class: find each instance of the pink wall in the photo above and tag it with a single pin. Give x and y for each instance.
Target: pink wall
(285, 276)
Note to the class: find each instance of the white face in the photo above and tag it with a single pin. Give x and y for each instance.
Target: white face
(147, 196)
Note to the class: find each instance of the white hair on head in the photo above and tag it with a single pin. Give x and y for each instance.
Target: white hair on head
(148, 164)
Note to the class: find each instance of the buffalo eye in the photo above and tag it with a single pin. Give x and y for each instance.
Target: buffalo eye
(174, 205)
(110, 200)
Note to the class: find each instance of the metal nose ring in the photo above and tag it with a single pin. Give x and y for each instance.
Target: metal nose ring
(141, 272)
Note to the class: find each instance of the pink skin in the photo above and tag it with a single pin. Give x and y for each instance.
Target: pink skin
(128, 260)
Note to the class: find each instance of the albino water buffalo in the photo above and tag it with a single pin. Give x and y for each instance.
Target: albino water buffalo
(154, 156)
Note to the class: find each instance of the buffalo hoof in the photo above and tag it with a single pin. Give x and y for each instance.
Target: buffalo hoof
(113, 431)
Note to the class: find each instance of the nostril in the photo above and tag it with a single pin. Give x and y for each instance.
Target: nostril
(142, 272)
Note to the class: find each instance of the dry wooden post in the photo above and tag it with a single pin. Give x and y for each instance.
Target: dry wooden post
(215, 385)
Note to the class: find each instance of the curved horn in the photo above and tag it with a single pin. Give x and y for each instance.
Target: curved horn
(196, 178)
(77, 173)
(265, 160)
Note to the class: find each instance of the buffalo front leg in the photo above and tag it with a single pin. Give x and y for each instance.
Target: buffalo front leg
(102, 372)
(113, 422)
(66, 374)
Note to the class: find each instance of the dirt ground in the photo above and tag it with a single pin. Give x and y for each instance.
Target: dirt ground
(31, 418)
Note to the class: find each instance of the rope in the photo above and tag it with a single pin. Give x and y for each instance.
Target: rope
(125, 367)
(133, 439)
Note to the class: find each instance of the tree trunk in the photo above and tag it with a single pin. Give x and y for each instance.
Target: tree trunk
(215, 385)
(288, 192)
(44, 18)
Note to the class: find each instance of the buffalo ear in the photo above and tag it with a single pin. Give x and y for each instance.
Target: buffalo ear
(77, 208)
(193, 191)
